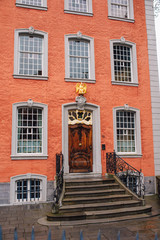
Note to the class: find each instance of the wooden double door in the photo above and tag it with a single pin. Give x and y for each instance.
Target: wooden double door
(80, 148)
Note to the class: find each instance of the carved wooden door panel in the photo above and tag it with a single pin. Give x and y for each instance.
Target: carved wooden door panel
(80, 148)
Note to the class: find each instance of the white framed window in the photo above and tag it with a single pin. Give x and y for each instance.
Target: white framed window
(29, 130)
(28, 188)
(79, 58)
(35, 4)
(30, 54)
(121, 10)
(123, 62)
(81, 7)
(127, 133)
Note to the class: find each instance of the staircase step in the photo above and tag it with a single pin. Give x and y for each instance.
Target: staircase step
(117, 212)
(87, 215)
(94, 193)
(83, 200)
(90, 187)
(99, 206)
(86, 181)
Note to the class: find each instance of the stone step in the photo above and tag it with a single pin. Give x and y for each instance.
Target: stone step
(88, 181)
(117, 212)
(83, 200)
(99, 206)
(98, 214)
(90, 187)
(97, 193)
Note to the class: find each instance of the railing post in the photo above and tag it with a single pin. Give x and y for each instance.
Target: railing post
(0, 233)
(118, 236)
(115, 163)
(32, 234)
(81, 235)
(63, 235)
(99, 235)
(49, 235)
(15, 234)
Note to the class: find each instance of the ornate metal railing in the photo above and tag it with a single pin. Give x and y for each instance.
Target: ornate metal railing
(59, 181)
(130, 176)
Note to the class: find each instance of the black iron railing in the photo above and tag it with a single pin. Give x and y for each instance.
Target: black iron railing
(59, 179)
(130, 176)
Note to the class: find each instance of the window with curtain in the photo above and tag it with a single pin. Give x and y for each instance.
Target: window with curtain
(29, 130)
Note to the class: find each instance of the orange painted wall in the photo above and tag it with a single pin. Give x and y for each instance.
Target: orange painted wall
(56, 91)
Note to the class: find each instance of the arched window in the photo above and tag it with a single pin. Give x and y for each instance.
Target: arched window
(30, 54)
(29, 130)
(28, 188)
(79, 58)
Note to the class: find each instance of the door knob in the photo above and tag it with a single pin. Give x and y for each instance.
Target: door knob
(80, 144)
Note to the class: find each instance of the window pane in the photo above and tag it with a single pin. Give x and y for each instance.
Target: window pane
(29, 130)
(119, 8)
(125, 131)
(30, 55)
(32, 2)
(78, 5)
(79, 59)
(122, 66)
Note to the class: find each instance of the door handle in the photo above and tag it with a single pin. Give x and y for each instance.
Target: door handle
(90, 147)
(80, 144)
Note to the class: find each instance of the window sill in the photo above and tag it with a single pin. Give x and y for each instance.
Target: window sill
(128, 155)
(125, 83)
(121, 19)
(79, 13)
(80, 80)
(30, 77)
(25, 157)
(30, 6)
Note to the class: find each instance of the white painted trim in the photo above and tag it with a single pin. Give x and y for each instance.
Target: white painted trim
(27, 176)
(44, 154)
(97, 167)
(45, 54)
(138, 152)
(91, 57)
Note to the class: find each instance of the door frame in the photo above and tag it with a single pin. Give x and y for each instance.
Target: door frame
(96, 137)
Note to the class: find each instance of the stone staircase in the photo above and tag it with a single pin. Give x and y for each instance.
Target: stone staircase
(98, 198)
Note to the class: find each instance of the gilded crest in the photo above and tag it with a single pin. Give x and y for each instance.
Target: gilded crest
(81, 88)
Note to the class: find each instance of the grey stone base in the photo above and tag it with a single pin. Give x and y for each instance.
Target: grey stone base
(50, 190)
(4, 193)
(149, 183)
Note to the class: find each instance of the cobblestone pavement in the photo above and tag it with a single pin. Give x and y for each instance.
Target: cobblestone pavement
(25, 216)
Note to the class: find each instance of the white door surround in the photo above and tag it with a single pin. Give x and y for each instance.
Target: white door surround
(97, 166)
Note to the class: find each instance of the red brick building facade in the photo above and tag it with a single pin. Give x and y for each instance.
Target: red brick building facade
(47, 47)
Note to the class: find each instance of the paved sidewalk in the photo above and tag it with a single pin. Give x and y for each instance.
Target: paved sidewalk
(25, 216)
